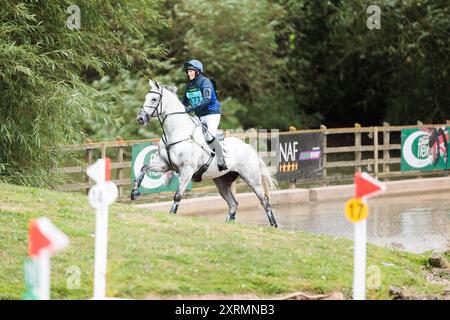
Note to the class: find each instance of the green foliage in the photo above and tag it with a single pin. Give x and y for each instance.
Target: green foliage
(45, 70)
(125, 95)
(235, 40)
(347, 73)
(277, 63)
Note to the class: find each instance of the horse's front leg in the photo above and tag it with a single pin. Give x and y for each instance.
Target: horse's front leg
(185, 177)
(156, 165)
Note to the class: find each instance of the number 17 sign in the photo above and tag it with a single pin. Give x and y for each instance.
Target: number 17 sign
(357, 210)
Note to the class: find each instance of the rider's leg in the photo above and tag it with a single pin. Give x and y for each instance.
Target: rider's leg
(212, 122)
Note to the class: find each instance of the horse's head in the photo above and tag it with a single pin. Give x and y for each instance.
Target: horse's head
(152, 105)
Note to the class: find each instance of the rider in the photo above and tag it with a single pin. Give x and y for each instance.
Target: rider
(200, 98)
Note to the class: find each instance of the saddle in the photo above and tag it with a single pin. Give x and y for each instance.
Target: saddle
(197, 176)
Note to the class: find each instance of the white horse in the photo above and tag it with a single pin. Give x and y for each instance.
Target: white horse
(183, 149)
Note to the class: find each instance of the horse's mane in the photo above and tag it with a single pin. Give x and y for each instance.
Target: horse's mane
(171, 88)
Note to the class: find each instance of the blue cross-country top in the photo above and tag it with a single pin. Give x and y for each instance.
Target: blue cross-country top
(200, 97)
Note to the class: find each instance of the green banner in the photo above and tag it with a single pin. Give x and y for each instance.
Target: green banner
(143, 153)
(424, 149)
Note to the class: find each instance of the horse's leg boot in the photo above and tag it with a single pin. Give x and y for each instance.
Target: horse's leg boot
(197, 176)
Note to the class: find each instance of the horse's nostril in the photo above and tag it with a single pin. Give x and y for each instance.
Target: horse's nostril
(140, 120)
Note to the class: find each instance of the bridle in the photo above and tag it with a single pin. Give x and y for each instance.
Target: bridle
(159, 114)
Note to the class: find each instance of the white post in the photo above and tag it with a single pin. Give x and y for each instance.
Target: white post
(44, 274)
(101, 252)
(100, 196)
(359, 269)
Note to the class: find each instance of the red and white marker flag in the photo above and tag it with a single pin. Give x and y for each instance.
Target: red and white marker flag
(44, 241)
(100, 196)
(43, 235)
(100, 171)
(367, 186)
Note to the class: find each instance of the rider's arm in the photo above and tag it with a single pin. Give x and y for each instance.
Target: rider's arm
(185, 100)
(206, 88)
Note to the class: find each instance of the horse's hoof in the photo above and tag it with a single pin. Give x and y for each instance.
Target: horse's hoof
(231, 217)
(273, 222)
(174, 209)
(135, 194)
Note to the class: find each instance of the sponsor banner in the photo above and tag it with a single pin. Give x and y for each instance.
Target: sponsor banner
(424, 149)
(143, 153)
(299, 156)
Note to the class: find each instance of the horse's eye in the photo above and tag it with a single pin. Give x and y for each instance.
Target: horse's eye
(154, 100)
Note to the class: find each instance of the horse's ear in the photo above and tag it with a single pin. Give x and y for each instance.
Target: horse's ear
(153, 84)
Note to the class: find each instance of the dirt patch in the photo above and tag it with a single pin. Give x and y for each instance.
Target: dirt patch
(249, 296)
(211, 296)
(438, 272)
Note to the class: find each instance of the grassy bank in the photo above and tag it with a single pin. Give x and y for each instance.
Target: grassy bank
(163, 255)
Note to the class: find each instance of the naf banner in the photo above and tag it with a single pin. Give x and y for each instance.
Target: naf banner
(425, 149)
(143, 153)
(300, 156)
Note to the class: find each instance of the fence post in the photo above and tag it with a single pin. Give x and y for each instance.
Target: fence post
(419, 123)
(120, 170)
(324, 146)
(386, 143)
(358, 147)
(375, 151)
(88, 161)
(292, 183)
(103, 147)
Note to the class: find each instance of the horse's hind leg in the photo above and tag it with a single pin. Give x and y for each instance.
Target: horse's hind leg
(223, 184)
(255, 182)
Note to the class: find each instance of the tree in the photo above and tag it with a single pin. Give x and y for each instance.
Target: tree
(235, 40)
(341, 72)
(45, 70)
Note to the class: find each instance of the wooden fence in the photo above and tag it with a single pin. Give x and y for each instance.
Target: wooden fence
(345, 150)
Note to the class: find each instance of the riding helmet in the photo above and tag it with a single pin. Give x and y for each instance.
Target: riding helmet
(194, 65)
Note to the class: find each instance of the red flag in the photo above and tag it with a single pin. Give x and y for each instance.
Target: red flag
(367, 186)
(44, 235)
(100, 171)
(107, 169)
(37, 240)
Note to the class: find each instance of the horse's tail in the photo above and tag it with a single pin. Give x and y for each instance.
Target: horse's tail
(268, 180)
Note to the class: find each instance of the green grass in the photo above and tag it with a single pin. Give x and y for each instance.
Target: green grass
(160, 254)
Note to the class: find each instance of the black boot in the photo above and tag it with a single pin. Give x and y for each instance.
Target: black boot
(222, 167)
(217, 148)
